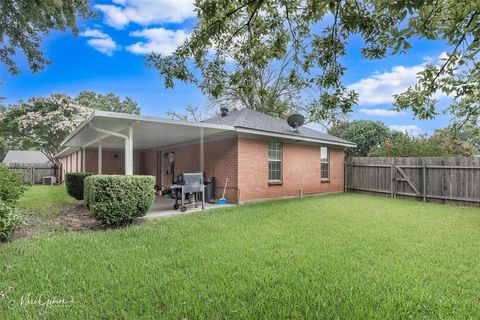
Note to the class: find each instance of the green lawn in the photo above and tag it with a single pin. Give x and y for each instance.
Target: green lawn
(340, 256)
(45, 200)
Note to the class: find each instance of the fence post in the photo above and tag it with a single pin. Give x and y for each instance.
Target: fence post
(33, 175)
(392, 180)
(424, 174)
(345, 170)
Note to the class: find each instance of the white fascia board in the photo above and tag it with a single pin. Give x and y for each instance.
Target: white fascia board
(134, 117)
(292, 137)
(65, 152)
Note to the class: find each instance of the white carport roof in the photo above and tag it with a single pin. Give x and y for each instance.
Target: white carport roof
(148, 132)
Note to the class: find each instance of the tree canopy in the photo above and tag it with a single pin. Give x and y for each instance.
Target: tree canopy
(3, 148)
(191, 114)
(470, 134)
(107, 102)
(42, 123)
(435, 146)
(366, 134)
(24, 22)
(233, 39)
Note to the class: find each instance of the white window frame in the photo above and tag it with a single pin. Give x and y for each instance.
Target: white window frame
(280, 144)
(322, 161)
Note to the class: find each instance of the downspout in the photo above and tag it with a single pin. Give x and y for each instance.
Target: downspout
(128, 146)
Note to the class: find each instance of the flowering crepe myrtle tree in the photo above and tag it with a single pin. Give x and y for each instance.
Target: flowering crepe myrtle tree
(43, 123)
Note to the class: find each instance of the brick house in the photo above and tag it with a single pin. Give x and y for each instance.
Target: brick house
(262, 156)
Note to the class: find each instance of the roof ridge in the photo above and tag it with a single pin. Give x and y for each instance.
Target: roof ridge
(256, 120)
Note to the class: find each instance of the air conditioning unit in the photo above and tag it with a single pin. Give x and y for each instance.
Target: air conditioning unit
(49, 180)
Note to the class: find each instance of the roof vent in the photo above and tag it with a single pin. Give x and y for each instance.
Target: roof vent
(295, 121)
(224, 111)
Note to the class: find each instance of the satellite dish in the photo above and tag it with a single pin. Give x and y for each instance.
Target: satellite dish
(295, 121)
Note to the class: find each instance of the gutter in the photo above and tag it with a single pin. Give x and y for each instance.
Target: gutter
(292, 137)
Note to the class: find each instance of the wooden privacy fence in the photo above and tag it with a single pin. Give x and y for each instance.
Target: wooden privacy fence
(33, 173)
(453, 180)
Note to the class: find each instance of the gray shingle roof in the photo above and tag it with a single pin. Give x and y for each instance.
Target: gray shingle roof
(251, 119)
(19, 156)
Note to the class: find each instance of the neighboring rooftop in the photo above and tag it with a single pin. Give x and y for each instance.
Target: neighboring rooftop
(251, 119)
(20, 156)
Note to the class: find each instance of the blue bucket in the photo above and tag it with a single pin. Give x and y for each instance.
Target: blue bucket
(222, 201)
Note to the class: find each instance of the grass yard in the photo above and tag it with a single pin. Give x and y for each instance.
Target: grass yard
(343, 256)
(45, 200)
(47, 210)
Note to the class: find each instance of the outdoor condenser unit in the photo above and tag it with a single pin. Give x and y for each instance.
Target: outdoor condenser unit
(49, 180)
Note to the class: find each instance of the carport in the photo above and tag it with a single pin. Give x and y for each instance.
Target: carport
(129, 133)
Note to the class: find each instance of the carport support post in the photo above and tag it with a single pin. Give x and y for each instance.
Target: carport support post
(100, 147)
(129, 152)
(84, 170)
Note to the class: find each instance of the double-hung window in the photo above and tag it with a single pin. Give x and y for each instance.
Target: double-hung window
(324, 163)
(275, 161)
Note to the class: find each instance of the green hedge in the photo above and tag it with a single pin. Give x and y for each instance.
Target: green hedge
(116, 199)
(74, 184)
(11, 189)
(11, 186)
(9, 219)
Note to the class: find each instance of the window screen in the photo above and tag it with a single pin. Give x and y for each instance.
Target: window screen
(324, 163)
(275, 160)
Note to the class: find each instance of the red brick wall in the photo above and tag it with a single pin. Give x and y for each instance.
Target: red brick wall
(243, 161)
(220, 161)
(148, 163)
(301, 169)
(112, 161)
(71, 163)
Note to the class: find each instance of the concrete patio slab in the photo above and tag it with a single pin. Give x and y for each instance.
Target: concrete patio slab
(163, 208)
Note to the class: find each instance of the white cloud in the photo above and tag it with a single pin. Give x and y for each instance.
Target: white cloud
(94, 33)
(159, 40)
(380, 87)
(381, 112)
(113, 15)
(146, 12)
(100, 41)
(410, 129)
(106, 46)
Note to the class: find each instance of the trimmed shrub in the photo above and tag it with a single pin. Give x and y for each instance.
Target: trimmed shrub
(74, 184)
(9, 219)
(115, 200)
(11, 186)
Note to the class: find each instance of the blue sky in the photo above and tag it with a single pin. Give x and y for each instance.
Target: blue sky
(108, 57)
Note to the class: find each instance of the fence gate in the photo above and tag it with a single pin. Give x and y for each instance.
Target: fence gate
(32, 174)
(403, 178)
(455, 180)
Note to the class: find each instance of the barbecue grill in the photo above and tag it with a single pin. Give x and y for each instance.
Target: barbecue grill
(189, 184)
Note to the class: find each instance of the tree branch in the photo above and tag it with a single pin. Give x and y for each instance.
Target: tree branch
(462, 38)
(247, 24)
(227, 15)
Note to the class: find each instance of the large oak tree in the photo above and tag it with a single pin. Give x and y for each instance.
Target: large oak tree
(233, 38)
(24, 22)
